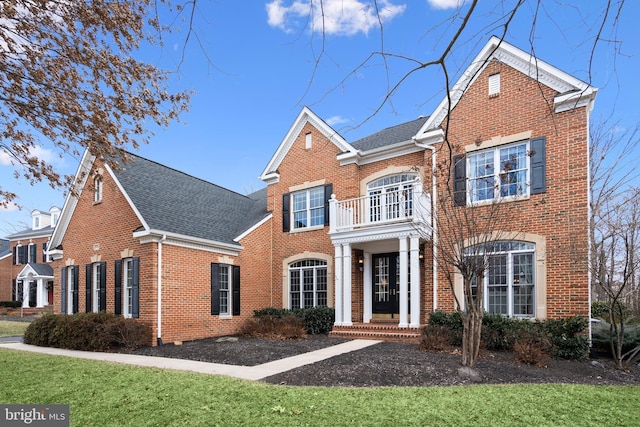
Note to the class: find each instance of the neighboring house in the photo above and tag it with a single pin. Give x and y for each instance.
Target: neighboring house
(5, 270)
(347, 224)
(29, 266)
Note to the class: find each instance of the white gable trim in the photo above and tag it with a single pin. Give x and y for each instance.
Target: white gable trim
(252, 228)
(24, 273)
(573, 93)
(270, 174)
(69, 207)
(175, 239)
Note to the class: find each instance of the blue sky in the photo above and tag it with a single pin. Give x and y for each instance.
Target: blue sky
(267, 60)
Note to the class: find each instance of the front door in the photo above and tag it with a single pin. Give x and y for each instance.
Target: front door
(386, 284)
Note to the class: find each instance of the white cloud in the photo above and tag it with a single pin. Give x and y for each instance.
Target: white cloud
(340, 17)
(336, 120)
(446, 4)
(11, 207)
(37, 151)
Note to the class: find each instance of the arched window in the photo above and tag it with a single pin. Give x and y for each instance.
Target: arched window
(509, 277)
(391, 197)
(308, 284)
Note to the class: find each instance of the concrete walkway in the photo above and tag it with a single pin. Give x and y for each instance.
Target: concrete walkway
(244, 372)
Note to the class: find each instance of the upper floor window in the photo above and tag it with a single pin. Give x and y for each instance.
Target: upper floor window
(307, 208)
(308, 284)
(503, 172)
(391, 197)
(97, 189)
(20, 254)
(33, 253)
(36, 222)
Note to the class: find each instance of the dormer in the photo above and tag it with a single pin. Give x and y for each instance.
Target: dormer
(55, 215)
(39, 219)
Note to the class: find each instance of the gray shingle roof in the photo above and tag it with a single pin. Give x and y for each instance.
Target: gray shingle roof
(391, 135)
(30, 232)
(174, 202)
(42, 269)
(4, 248)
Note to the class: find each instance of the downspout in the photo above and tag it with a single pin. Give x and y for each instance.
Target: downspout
(159, 338)
(434, 225)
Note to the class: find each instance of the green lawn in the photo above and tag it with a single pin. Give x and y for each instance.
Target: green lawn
(104, 394)
(12, 329)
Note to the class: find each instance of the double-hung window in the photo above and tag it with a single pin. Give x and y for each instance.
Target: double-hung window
(127, 287)
(308, 208)
(308, 284)
(499, 172)
(509, 279)
(225, 290)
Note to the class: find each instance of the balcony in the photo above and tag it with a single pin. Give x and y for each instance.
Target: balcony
(397, 204)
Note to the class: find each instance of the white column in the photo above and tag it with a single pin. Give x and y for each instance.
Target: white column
(338, 279)
(26, 284)
(346, 283)
(39, 288)
(414, 259)
(404, 288)
(368, 288)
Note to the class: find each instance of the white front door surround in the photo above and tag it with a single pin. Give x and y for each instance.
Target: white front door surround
(407, 245)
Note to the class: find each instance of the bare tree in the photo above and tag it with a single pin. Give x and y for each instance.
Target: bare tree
(69, 80)
(617, 264)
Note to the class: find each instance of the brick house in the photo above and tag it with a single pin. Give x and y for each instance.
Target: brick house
(26, 270)
(349, 224)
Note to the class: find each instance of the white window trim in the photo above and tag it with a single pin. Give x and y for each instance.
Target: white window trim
(497, 198)
(229, 313)
(70, 289)
(308, 210)
(127, 287)
(315, 282)
(97, 189)
(95, 287)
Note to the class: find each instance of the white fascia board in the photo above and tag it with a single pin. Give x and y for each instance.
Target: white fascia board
(69, 207)
(270, 178)
(518, 59)
(388, 152)
(126, 196)
(305, 116)
(573, 100)
(6, 255)
(175, 239)
(430, 137)
(253, 227)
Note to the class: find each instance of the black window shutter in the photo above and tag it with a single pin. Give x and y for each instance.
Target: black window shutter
(63, 290)
(215, 288)
(25, 254)
(74, 289)
(459, 180)
(118, 287)
(286, 212)
(328, 191)
(135, 288)
(87, 287)
(44, 250)
(15, 254)
(235, 283)
(13, 290)
(102, 303)
(538, 165)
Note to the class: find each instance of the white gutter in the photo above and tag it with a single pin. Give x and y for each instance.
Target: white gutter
(434, 225)
(159, 338)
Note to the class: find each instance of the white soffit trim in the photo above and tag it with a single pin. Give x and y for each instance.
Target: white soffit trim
(269, 174)
(572, 91)
(388, 152)
(253, 227)
(70, 203)
(147, 236)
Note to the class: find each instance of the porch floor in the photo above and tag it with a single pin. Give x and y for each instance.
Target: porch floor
(387, 330)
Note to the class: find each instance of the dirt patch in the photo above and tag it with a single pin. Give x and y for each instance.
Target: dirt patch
(390, 364)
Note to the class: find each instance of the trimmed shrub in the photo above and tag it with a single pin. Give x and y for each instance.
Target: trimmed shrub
(87, 332)
(11, 304)
(274, 327)
(452, 322)
(435, 338)
(567, 337)
(317, 320)
(531, 345)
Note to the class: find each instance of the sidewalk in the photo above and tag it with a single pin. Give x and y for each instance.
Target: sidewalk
(244, 372)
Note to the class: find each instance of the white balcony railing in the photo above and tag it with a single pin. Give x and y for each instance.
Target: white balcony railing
(401, 203)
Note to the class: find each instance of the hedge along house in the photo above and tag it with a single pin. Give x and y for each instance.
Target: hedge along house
(150, 242)
(348, 224)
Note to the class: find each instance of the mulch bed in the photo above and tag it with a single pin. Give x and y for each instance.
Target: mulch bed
(391, 364)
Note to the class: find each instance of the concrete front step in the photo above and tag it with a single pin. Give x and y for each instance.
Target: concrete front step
(377, 331)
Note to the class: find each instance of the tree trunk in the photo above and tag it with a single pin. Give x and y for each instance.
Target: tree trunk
(471, 337)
